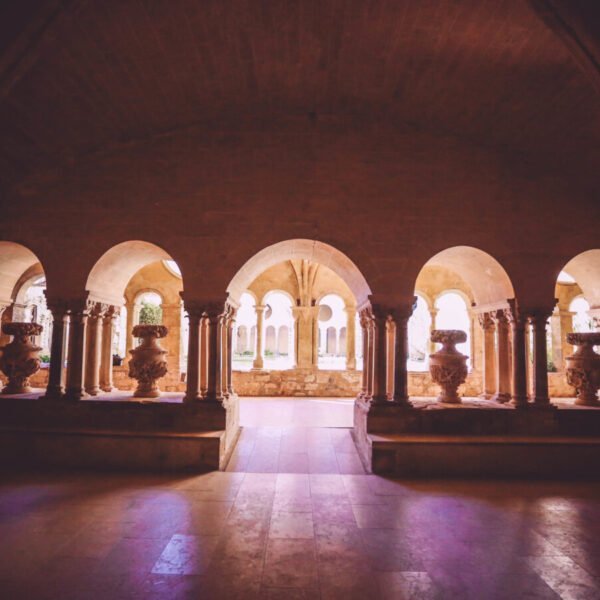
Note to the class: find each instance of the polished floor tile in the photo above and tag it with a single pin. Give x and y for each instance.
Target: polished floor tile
(295, 517)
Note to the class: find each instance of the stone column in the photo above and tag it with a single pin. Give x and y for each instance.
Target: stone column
(433, 312)
(203, 356)
(364, 323)
(94, 349)
(538, 320)
(214, 316)
(380, 326)
(503, 358)
(401, 317)
(489, 355)
(350, 338)
(223, 352)
(371, 355)
(313, 316)
(77, 344)
(517, 321)
(131, 318)
(171, 319)
(230, 328)
(194, 315)
(106, 361)
(55, 389)
(258, 359)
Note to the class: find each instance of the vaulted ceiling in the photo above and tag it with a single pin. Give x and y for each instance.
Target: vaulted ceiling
(80, 76)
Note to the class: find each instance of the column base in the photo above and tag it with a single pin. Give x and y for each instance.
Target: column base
(75, 395)
(520, 402)
(486, 396)
(54, 393)
(108, 388)
(502, 398)
(542, 403)
(402, 402)
(93, 391)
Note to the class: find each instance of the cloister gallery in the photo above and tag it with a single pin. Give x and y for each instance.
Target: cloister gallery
(299, 319)
(300, 299)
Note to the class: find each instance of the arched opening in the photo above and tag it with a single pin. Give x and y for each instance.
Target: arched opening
(332, 321)
(132, 283)
(577, 309)
(22, 299)
(305, 322)
(462, 288)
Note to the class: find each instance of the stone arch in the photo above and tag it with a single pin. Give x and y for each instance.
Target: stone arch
(113, 270)
(315, 251)
(490, 284)
(585, 269)
(15, 261)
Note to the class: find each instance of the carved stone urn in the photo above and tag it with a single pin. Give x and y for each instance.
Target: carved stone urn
(583, 368)
(20, 359)
(147, 363)
(448, 367)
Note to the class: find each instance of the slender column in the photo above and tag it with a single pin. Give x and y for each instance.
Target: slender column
(194, 315)
(350, 338)
(401, 317)
(108, 332)
(131, 319)
(203, 356)
(258, 359)
(489, 355)
(77, 344)
(224, 351)
(314, 321)
(230, 328)
(517, 322)
(214, 316)
(433, 312)
(94, 349)
(528, 360)
(371, 356)
(55, 389)
(364, 323)
(503, 359)
(380, 322)
(538, 320)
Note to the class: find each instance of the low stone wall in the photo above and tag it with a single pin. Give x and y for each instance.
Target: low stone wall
(305, 382)
(297, 382)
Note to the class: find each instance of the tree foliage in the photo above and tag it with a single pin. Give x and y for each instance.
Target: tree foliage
(150, 314)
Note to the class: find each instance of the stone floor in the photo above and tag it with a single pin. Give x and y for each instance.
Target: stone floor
(295, 516)
(282, 535)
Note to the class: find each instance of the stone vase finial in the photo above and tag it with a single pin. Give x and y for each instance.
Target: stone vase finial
(583, 368)
(148, 363)
(20, 358)
(448, 367)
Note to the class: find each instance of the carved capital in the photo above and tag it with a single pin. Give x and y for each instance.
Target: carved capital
(486, 321)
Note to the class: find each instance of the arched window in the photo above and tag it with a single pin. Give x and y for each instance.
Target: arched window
(279, 327)
(332, 318)
(148, 309)
(244, 334)
(454, 314)
(419, 328)
(582, 322)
